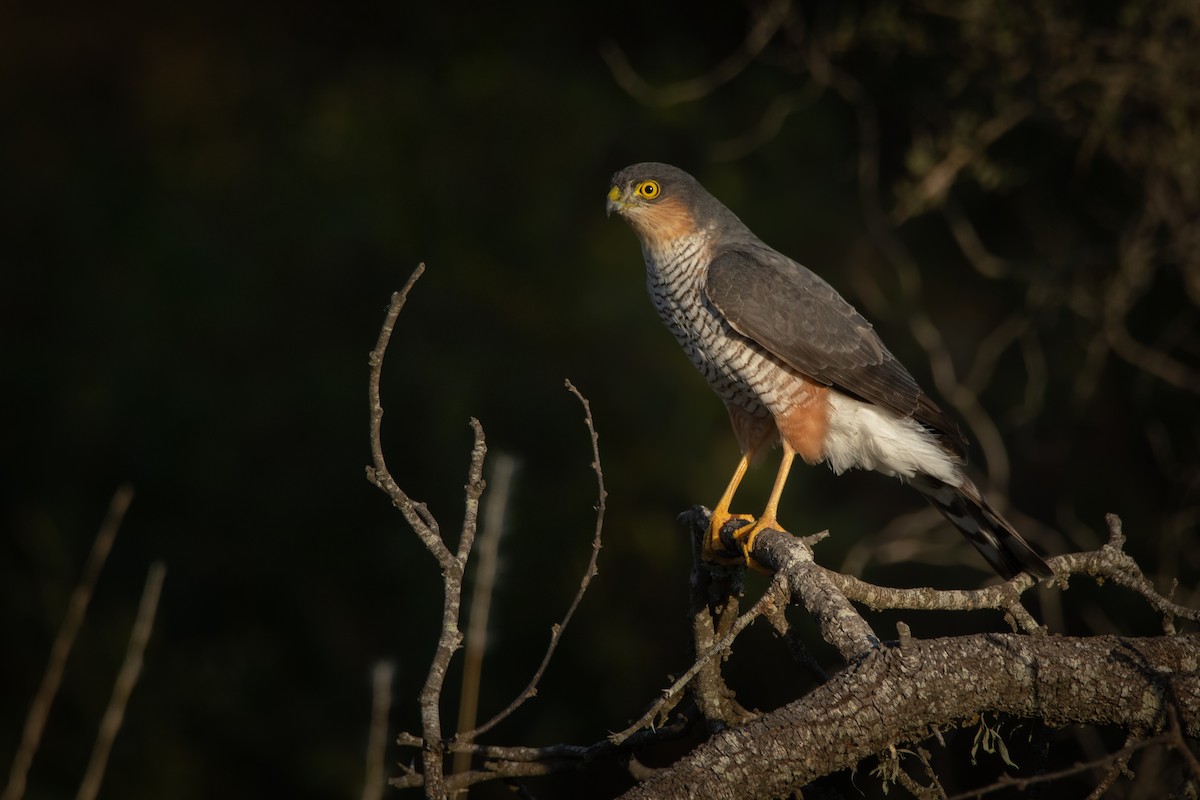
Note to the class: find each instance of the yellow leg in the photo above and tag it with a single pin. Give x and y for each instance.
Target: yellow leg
(767, 521)
(734, 482)
(712, 545)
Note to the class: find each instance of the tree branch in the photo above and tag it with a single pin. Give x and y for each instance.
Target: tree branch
(432, 741)
(509, 762)
(60, 651)
(416, 514)
(761, 32)
(556, 631)
(381, 703)
(903, 693)
(427, 529)
(127, 678)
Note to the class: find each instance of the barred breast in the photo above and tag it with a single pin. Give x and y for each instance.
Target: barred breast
(744, 375)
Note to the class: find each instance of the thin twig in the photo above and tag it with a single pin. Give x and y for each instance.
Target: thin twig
(416, 514)
(35, 722)
(474, 490)
(1115, 769)
(941, 177)
(381, 704)
(127, 677)
(507, 762)
(985, 262)
(671, 693)
(768, 127)
(1149, 359)
(451, 636)
(896, 773)
(935, 782)
(684, 91)
(494, 513)
(556, 631)
(1180, 743)
(1021, 784)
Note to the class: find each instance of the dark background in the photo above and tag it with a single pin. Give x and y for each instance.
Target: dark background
(205, 210)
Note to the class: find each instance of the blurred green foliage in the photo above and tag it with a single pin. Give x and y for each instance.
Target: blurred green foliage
(205, 209)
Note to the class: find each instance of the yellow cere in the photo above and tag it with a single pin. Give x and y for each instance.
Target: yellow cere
(614, 194)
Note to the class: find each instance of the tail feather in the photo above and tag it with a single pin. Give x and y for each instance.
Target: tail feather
(992, 535)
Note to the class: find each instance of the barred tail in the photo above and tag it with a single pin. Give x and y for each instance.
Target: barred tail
(992, 535)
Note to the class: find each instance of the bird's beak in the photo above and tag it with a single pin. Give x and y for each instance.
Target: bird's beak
(615, 201)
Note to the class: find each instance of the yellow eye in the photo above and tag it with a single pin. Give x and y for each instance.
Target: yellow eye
(648, 189)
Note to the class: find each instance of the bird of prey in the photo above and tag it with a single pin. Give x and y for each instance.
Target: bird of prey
(795, 364)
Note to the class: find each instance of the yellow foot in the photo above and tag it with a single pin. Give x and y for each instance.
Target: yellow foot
(731, 539)
(722, 545)
(746, 536)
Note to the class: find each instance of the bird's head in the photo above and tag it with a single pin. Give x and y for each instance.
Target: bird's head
(659, 202)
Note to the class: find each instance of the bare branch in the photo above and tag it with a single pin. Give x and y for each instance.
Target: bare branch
(840, 624)
(768, 127)
(416, 514)
(473, 491)
(1114, 762)
(760, 34)
(985, 262)
(938, 180)
(1135, 268)
(1150, 359)
(556, 631)
(451, 636)
(1003, 597)
(890, 770)
(60, 651)
(1176, 734)
(1119, 765)
(903, 694)
(508, 762)
(494, 515)
(381, 703)
(426, 528)
(127, 677)
(671, 693)
(1112, 563)
(1109, 563)
(453, 565)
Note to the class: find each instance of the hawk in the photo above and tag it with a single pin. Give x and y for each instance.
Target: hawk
(795, 364)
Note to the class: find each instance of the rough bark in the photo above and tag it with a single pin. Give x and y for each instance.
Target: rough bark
(904, 694)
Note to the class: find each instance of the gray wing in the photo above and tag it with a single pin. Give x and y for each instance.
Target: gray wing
(804, 322)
